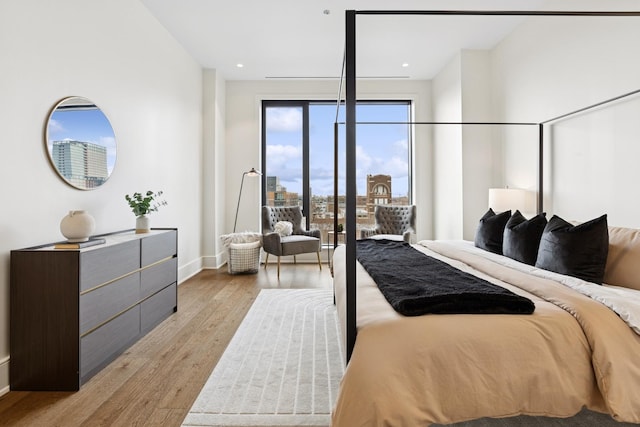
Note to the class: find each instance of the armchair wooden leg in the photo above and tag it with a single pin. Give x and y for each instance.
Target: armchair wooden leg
(278, 268)
(295, 261)
(319, 262)
(266, 260)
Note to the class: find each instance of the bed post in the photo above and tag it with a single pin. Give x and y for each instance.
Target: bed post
(350, 212)
(540, 166)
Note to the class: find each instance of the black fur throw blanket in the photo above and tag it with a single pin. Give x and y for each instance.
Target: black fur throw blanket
(415, 283)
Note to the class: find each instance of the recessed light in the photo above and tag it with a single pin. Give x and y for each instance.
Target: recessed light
(239, 65)
(405, 64)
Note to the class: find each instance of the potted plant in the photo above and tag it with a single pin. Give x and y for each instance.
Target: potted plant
(143, 204)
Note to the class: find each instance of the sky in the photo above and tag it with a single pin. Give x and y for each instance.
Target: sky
(380, 149)
(83, 125)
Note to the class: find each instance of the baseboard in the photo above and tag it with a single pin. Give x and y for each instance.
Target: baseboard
(189, 270)
(214, 261)
(4, 375)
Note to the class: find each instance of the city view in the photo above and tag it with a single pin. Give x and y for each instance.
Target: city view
(299, 139)
(322, 207)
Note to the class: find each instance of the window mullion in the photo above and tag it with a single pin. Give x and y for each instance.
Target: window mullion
(306, 187)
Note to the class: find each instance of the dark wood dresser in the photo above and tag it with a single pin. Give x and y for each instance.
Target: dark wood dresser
(74, 311)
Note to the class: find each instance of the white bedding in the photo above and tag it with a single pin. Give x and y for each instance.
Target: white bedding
(624, 302)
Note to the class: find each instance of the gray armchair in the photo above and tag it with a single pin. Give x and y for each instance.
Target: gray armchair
(399, 220)
(299, 242)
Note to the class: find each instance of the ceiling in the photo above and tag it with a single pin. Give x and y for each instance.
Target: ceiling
(304, 39)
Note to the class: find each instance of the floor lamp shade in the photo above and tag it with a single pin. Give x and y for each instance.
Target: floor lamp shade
(252, 173)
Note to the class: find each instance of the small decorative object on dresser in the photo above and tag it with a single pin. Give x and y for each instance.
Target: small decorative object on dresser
(141, 205)
(77, 226)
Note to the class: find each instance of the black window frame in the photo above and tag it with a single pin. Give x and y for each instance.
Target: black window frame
(304, 104)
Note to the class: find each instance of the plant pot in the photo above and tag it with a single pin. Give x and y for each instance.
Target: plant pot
(77, 226)
(142, 224)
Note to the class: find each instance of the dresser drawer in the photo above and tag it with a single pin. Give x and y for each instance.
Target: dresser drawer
(101, 304)
(157, 247)
(155, 309)
(102, 265)
(107, 342)
(154, 278)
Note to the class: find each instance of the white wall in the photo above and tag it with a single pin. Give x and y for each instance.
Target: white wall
(242, 141)
(481, 155)
(116, 54)
(548, 67)
(447, 156)
(468, 158)
(214, 164)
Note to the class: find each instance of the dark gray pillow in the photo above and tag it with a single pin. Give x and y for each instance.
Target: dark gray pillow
(522, 237)
(579, 251)
(491, 230)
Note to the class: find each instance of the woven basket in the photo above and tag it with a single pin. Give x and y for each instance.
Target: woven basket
(244, 257)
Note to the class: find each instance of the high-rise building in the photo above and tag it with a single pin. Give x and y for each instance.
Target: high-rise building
(277, 195)
(273, 183)
(81, 163)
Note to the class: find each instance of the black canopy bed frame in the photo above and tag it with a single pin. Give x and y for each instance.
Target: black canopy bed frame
(349, 78)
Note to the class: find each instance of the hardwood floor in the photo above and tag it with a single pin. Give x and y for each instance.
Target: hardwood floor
(156, 381)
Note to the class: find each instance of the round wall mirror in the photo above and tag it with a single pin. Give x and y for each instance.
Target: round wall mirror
(81, 143)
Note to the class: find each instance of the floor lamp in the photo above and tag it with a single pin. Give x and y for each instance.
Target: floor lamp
(252, 172)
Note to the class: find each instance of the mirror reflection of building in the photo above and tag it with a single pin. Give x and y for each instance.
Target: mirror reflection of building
(81, 143)
(83, 164)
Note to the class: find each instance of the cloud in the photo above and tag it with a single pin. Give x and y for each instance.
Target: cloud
(283, 153)
(363, 159)
(55, 127)
(285, 162)
(369, 160)
(401, 145)
(284, 119)
(110, 143)
(396, 166)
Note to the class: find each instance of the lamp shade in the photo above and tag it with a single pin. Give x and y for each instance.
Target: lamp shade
(253, 172)
(504, 199)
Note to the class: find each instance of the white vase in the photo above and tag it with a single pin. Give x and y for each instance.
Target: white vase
(77, 226)
(142, 224)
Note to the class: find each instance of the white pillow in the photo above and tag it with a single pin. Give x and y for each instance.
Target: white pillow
(283, 228)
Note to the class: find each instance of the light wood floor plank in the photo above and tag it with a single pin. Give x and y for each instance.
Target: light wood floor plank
(155, 382)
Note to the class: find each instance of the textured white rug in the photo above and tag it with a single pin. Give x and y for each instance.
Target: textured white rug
(281, 368)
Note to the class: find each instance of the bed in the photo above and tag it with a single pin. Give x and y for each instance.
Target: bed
(573, 352)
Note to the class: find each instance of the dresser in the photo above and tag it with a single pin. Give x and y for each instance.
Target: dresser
(74, 311)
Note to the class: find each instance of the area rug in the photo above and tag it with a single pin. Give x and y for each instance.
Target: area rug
(281, 368)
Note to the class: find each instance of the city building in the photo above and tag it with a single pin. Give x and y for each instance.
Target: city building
(378, 191)
(81, 163)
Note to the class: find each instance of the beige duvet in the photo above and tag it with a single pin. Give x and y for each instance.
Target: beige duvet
(570, 353)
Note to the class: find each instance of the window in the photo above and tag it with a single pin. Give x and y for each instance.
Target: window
(298, 140)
